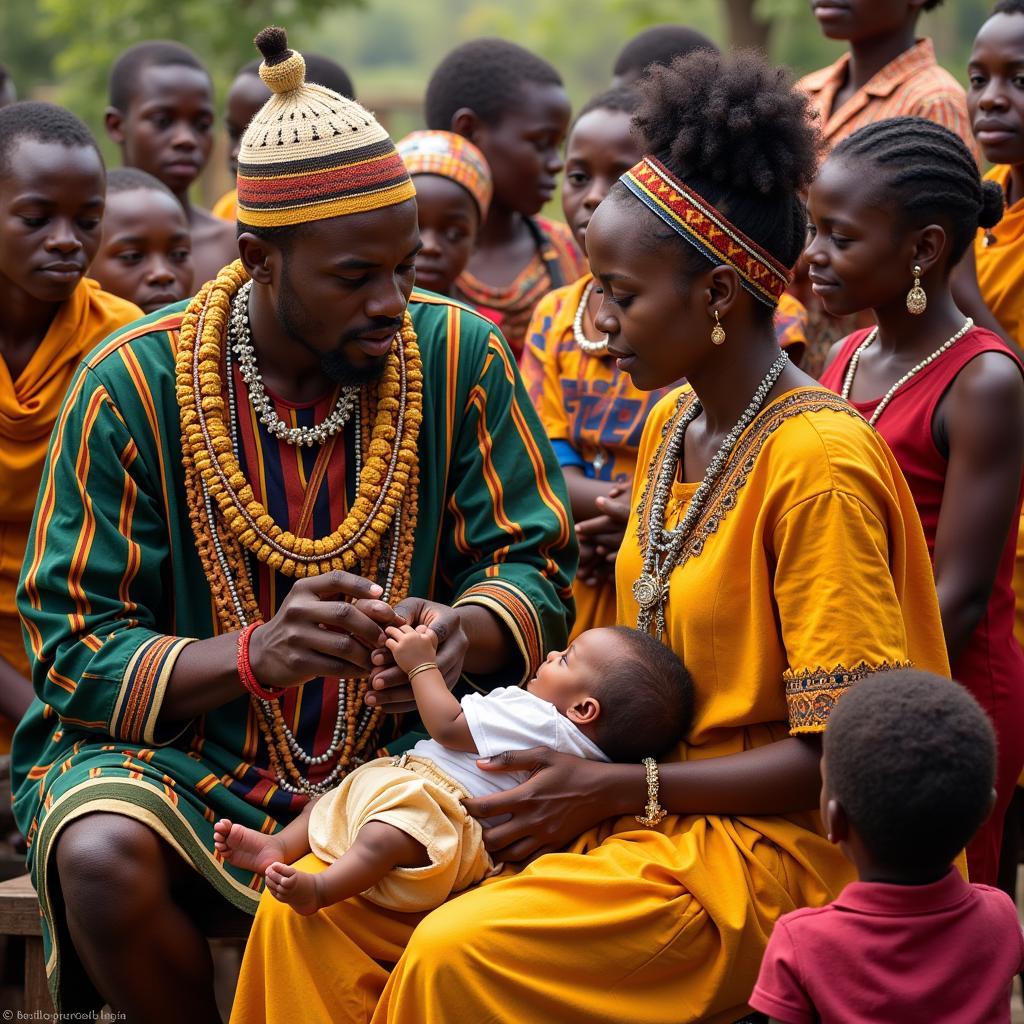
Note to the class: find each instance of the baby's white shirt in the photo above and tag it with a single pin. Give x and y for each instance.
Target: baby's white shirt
(508, 718)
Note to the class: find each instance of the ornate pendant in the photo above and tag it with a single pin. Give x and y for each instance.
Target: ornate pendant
(648, 592)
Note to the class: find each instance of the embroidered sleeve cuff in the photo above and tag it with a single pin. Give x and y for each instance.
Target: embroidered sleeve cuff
(512, 608)
(811, 694)
(136, 711)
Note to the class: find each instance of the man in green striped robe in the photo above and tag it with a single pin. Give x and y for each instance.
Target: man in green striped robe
(142, 734)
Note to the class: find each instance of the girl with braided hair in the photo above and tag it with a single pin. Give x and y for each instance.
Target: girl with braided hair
(894, 208)
(773, 540)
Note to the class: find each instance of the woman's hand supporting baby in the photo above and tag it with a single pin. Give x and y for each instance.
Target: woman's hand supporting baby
(564, 796)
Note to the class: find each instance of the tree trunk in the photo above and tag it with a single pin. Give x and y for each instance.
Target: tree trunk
(745, 28)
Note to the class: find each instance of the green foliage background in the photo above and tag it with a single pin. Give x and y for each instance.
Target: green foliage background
(61, 49)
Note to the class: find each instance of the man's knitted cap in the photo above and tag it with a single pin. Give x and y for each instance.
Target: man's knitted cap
(310, 154)
(449, 156)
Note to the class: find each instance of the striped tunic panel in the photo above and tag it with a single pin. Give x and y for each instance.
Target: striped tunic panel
(113, 589)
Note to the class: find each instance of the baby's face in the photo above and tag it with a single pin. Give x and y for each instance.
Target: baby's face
(567, 677)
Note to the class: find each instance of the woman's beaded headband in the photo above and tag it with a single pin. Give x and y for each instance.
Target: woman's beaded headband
(706, 229)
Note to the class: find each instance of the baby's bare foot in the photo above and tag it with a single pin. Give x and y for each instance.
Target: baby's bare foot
(245, 847)
(296, 888)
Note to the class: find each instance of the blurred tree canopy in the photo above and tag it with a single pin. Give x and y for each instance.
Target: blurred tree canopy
(61, 50)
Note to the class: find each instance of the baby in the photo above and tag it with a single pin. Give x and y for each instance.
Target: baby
(907, 777)
(396, 831)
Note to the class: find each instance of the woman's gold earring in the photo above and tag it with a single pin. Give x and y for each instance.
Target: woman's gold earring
(917, 301)
(717, 332)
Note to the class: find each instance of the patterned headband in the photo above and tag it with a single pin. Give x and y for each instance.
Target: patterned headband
(449, 156)
(706, 229)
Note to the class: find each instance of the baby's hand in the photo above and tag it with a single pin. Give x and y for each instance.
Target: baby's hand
(411, 647)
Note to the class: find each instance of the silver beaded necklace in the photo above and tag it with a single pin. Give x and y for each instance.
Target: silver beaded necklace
(339, 733)
(851, 370)
(240, 340)
(666, 547)
(592, 348)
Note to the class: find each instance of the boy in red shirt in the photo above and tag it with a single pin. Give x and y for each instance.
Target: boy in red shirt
(907, 776)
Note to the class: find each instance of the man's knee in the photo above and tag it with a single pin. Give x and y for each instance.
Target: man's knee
(111, 870)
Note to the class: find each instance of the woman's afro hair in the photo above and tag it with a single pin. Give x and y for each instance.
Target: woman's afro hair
(734, 129)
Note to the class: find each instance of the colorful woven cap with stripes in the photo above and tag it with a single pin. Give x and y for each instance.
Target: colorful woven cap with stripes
(310, 154)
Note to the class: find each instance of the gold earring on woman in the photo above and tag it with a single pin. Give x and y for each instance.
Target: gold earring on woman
(917, 301)
(717, 332)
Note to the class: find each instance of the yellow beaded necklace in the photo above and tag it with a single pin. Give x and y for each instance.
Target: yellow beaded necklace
(375, 539)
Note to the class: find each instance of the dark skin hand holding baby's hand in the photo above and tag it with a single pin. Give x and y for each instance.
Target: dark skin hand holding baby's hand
(411, 646)
(390, 687)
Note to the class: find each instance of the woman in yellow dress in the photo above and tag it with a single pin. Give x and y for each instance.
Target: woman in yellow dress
(773, 544)
(592, 412)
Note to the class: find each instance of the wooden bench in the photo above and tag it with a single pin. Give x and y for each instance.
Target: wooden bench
(19, 916)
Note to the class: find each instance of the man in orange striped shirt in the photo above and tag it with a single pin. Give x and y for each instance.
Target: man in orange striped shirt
(888, 72)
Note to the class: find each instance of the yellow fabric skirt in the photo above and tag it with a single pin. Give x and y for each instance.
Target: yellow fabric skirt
(644, 926)
(413, 795)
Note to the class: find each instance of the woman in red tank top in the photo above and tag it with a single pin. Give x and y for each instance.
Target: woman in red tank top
(894, 208)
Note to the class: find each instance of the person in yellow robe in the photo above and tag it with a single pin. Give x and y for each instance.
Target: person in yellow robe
(997, 117)
(996, 108)
(592, 412)
(773, 544)
(52, 186)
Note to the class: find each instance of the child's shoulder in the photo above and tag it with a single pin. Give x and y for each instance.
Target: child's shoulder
(996, 905)
(805, 919)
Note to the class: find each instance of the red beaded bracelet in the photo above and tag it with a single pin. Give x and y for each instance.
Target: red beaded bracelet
(245, 672)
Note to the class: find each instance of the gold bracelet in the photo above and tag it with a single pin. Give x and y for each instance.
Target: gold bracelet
(426, 666)
(653, 812)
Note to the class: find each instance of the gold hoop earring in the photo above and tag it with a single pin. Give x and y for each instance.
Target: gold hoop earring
(917, 300)
(717, 332)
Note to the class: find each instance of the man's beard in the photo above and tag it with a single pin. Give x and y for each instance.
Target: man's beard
(335, 365)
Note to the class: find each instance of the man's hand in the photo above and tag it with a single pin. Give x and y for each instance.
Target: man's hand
(315, 634)
(390, 687)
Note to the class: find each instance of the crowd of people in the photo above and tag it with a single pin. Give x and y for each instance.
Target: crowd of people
(616, 618)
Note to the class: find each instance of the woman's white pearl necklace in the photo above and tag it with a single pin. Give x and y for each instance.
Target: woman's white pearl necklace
(592, 348)
(242, 346)
(851, 370)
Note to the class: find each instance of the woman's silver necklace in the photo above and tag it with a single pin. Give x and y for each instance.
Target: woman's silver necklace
(851, 370)
(666, 547)
(240, 338)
